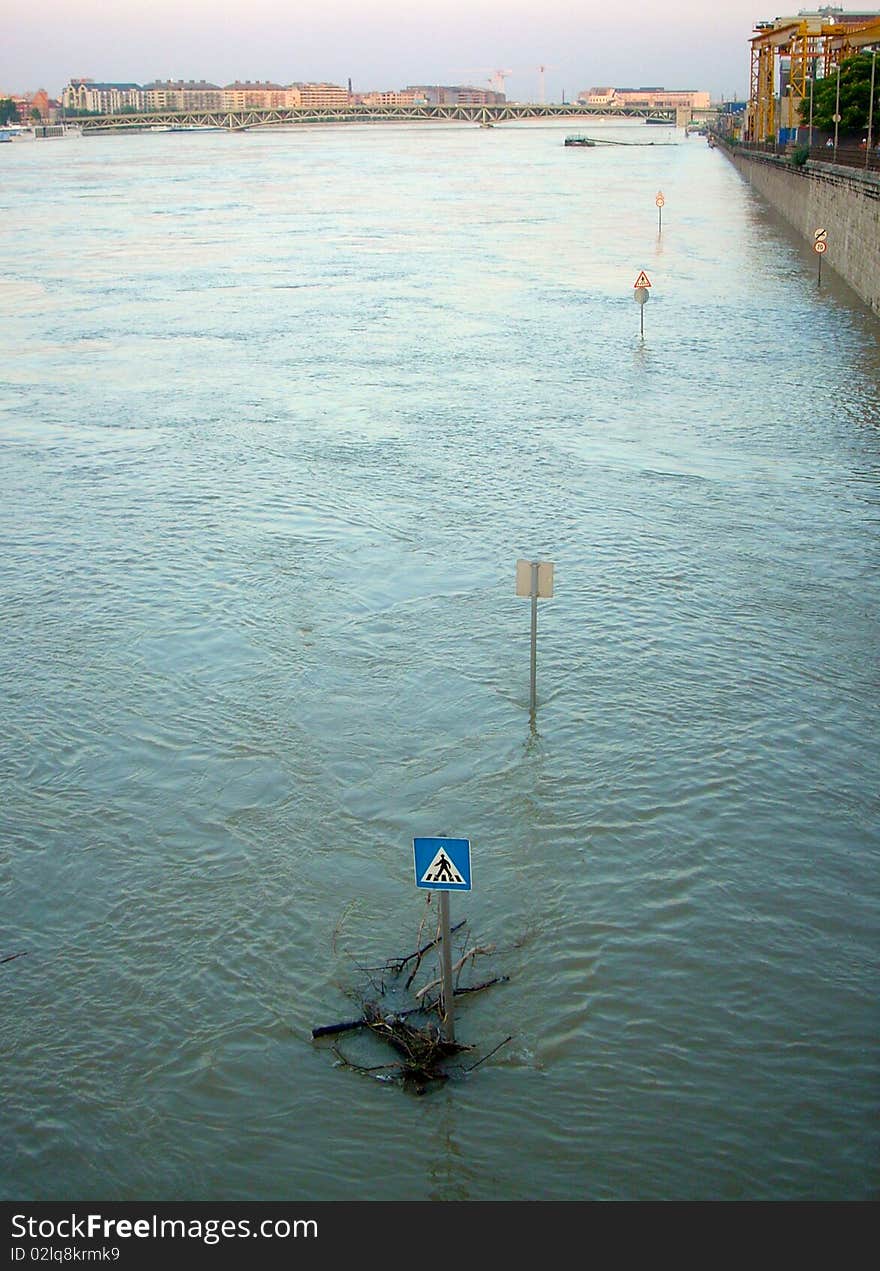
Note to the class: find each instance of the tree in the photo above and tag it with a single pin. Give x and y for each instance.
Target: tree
(855, 90)
(8, 111)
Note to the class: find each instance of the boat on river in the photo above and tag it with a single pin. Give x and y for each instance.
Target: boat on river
(577, 139)
(15, 132)
(38, 132)
(184, 128)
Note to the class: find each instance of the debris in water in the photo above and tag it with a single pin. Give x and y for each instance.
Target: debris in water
(409, 1019)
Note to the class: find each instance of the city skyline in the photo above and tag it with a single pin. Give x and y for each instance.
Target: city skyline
(386, 46)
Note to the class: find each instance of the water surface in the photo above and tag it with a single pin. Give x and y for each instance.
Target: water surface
(279, 412)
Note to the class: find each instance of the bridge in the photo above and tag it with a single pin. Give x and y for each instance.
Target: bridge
(242, 120)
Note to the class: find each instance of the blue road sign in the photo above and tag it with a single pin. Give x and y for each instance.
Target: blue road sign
(443, 864)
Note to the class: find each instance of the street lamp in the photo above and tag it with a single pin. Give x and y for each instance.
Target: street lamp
(837, 112)
(870, 140)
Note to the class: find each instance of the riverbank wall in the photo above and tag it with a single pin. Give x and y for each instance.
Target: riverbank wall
(841, 200)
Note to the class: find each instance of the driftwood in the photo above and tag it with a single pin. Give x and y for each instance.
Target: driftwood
(414, 1032)
(421, 1051)
(12, 956)
(396, 965)
(456, 967)
(349, 1025)
(492, 1052)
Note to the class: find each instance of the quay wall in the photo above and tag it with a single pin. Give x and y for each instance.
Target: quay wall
(844, 201)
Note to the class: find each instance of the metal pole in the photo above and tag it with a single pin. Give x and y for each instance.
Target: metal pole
(870, 140)
(819, 278)
(534, 661)
(837, 112)
(812, 79)
(446, 969)
(641, 319)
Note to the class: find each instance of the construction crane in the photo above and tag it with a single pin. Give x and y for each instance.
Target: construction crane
(496, 77)
(541, 94)
(809, 43)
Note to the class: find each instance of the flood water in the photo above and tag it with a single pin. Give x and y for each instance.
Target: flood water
(279, 412)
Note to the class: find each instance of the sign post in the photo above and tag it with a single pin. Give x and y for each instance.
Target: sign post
(820, 246)
(444, 865)
(534, 578)
(448, 989)
(641, 285)
(659, 201)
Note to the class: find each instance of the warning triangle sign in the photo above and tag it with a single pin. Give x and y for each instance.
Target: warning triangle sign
(642, 281)
(441, 870)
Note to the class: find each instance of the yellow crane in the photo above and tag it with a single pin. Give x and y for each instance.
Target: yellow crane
(809, 43)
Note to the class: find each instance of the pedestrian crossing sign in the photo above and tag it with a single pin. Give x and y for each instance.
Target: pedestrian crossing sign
(442, 864)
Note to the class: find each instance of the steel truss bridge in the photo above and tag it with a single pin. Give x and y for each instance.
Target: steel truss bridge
(241, 120)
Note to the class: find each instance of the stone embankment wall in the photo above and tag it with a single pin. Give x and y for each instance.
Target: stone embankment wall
(844, 201)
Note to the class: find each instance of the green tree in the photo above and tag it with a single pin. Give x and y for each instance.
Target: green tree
(855, 91)
(8, 111)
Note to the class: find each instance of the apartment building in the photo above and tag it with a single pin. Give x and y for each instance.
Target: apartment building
(199, 95)
(259, 95)
(181, 94)
(653, 98)
(457, 95)
(402, 97)
(103, 99)
(317, 96)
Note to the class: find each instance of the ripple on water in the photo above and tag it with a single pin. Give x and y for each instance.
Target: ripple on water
(260, 630)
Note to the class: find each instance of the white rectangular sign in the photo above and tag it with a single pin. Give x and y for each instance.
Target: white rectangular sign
(524, 578)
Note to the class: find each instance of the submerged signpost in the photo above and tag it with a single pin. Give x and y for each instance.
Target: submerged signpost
(641, 285)
(444, 865)
(534, 578)
(660, 200)
(820, 246)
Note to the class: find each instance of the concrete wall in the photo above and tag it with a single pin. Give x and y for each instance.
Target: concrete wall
(844, 201)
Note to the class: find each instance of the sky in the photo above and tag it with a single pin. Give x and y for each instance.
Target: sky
(387, 44)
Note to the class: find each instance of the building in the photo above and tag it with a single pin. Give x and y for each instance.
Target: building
(318, 96)
(597, 96)
(457, 95)
(261, 95)
(181, 94)
(402, 97)
(101, 99)
(31, 105)
(651, 98)
(828, 15)
(83, 94)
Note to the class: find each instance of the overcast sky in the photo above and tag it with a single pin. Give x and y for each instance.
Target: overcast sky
(382, 44)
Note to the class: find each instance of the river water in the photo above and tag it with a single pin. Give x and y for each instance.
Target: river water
(279, 412)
